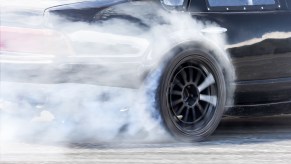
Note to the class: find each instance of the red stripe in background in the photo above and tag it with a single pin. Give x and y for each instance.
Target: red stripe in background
(26, 40)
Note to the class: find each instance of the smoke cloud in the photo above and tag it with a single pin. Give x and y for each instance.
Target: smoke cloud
(88, 81)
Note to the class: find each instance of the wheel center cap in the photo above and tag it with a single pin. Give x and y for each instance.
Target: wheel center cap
(190, 95)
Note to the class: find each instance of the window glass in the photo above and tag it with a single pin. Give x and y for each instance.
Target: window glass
(263, 2)
(173, 2)
(240, 2)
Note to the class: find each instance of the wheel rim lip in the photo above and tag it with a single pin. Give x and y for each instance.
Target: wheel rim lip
(197, 123)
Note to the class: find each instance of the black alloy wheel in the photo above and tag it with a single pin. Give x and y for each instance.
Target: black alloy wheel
(192, 95)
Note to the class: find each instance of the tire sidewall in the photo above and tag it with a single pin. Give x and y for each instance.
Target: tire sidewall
(208, 59)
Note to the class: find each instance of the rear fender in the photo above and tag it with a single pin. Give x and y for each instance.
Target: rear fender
(187, 40)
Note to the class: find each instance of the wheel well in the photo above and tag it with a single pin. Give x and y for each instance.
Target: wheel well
(218, 53)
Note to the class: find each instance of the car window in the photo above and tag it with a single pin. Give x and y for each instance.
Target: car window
(215, 3)
(173, 2)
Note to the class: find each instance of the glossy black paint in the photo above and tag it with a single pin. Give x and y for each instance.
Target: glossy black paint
(259, 42)
(82, 11)
(259, 46)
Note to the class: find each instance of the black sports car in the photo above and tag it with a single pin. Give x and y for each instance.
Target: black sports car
(197, 85)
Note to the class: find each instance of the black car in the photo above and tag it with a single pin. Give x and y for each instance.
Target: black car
(199, 82)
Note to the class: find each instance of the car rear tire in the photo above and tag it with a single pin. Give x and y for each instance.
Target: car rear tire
(191, 95)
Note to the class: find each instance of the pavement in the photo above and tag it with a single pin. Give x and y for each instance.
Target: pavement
(237, 140)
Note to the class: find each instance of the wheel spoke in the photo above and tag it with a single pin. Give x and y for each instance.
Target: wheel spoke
(178, 93)
(206, 83)
(184, 76)
(198, 76)
(193, 114)
(176, 102)
(186, 115)
(200, 108)
(178, 83)
(191, 75)
(180, 110)
(210, 99)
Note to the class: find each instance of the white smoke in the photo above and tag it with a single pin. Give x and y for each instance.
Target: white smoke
(75, 109)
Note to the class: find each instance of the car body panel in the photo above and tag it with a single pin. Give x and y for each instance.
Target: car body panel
(259, 47)
(259, 44)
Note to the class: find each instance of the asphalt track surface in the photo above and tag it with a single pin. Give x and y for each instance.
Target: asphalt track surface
(255, 140)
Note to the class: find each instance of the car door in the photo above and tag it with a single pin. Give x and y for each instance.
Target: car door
(259, 44)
